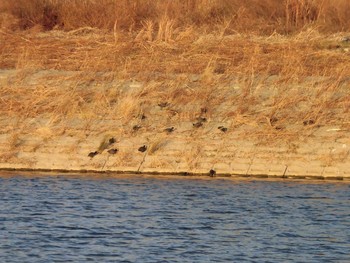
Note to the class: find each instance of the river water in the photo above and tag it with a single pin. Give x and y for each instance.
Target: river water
(137, 219)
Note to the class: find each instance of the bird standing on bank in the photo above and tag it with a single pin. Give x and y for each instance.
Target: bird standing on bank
(169, 130)
(222, 128)
(142, 148)
(92, 154)
(212, 173)
(112, 151)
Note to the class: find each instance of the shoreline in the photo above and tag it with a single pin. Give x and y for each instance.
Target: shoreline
(8, 172)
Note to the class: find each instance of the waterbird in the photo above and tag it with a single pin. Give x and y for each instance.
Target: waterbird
(142, 148)
(169, 130)
(136, 127)
(112, 151)
(197, 124)
(222, 128)
(92, 154)
(212, 173)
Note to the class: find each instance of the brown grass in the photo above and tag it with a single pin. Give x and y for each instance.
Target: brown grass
(263, 16)
(272, 64)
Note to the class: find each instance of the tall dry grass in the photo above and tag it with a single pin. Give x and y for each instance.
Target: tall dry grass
(263, 16)
(185, 52)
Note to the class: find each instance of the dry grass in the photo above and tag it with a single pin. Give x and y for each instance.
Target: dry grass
(237, 15)
(269, 64)
(157, 145)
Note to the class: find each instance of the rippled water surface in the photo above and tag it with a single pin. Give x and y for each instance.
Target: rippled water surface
(71, 219)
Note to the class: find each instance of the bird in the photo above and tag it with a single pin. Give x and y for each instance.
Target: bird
(197, 124)
(112, 151)
(111, 140)
(143, 117)
(92, 154)
(212, 173)
(222, 128)
(169, 130)
(142, 148)
(136, 127)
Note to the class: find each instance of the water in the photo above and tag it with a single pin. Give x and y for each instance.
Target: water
(71, 219)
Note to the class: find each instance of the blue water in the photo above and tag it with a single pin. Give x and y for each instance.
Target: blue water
(72, 219)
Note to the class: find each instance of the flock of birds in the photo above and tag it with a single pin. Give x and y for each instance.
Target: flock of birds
(199, 123)
(108, 143)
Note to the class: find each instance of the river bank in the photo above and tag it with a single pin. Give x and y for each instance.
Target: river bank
(100, 124)
(191, 103)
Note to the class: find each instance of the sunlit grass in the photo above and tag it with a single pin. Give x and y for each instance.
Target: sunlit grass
(273, 64)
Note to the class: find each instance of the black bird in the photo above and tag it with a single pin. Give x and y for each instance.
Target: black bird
(112, 140)
(136, 127)
(222, 128)
(169, 130)
(212, 173)
(163, 104)
(93, 154)
(197, 124)
(112, 151)
(142, 148)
